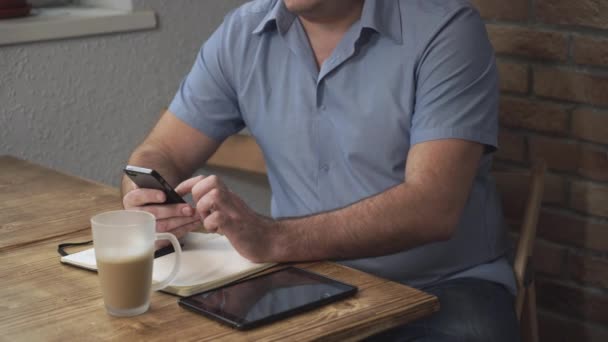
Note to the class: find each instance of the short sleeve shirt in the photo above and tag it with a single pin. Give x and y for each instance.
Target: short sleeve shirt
(407, 72)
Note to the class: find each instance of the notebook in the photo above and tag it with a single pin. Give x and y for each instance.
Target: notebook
(208, 261)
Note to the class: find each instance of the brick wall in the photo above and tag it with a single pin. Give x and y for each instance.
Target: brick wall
(553, 62)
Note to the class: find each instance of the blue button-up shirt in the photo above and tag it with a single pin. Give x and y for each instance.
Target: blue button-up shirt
(407, 72)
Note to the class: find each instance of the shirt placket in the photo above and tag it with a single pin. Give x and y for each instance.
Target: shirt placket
(327, 144)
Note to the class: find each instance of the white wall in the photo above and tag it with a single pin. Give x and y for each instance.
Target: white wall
(82, 105)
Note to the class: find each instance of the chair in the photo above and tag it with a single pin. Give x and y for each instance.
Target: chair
(508, 182)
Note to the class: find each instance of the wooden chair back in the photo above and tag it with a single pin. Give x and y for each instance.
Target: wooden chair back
(510, 185)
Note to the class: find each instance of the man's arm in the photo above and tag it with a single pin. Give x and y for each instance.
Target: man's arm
(425, 208)
(172, 148)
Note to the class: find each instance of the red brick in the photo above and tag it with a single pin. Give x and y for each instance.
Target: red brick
(558, 154)
(590, 50)
(548, 258)
(590, 125)
(536, 115)
(589, 198)
(587, 13)
(514, 189)
(556, 329)
(594, 164)
(571, 85)
(572, 157)
(513, 77)
(573, 301)
(511, 146)
(590, 270)
(514, 10)
(524, 42)
(555, 190)
(571, 230)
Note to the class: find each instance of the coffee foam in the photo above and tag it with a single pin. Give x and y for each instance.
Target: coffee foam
(128, 254)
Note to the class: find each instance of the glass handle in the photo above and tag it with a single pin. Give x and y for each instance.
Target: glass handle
(178, 260)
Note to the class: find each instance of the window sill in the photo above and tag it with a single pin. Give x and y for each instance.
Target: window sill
(73, 21)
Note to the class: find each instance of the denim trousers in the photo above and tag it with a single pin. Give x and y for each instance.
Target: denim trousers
(470, 310)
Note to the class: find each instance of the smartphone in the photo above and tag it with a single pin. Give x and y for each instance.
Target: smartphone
(150, 179)
(267, 298)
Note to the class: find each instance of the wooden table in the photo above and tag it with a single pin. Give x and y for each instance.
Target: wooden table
(41, 299)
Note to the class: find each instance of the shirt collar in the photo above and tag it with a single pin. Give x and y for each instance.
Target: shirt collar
(383, 16)
(278, 17)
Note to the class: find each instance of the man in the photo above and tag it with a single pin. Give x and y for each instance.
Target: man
(377, 120)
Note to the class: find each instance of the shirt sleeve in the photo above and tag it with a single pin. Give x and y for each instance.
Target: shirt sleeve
(206, 100)
(457, 84)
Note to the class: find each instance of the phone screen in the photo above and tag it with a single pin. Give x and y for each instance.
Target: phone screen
(268, 298)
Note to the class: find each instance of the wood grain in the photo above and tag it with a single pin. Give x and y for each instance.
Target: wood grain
(43, 299)
(38, 203)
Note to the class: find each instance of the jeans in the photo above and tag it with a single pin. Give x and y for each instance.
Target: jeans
(470, 310)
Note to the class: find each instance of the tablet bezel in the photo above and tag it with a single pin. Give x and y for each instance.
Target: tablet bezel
(241, 323)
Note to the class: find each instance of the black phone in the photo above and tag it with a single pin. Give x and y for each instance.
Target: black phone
(150, 179)
(267, 298)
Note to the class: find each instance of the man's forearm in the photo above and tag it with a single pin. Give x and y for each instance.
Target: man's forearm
(425, 208)
(173, 149)
(400, 218)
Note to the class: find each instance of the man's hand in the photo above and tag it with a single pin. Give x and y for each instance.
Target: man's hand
(177, 219)
(223, 212)
(176, 151)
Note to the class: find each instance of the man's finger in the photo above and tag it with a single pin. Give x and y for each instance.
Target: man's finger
(205, 185)
(141, 197)
(169, 210)
(185, 187)
(171, 224)
(209, 203)
(214, 221)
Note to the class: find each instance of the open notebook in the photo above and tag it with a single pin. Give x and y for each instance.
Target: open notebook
(208, 261)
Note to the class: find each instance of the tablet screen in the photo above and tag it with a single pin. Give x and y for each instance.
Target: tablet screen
(267, 298)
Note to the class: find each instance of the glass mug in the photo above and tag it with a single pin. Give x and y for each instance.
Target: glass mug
(124, 251)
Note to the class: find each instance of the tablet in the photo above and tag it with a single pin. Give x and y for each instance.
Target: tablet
(267, 298)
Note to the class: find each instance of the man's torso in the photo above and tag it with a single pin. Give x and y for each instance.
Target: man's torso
(337, 135)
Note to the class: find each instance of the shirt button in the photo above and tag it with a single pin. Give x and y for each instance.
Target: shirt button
(323, 107)
(324, 168)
